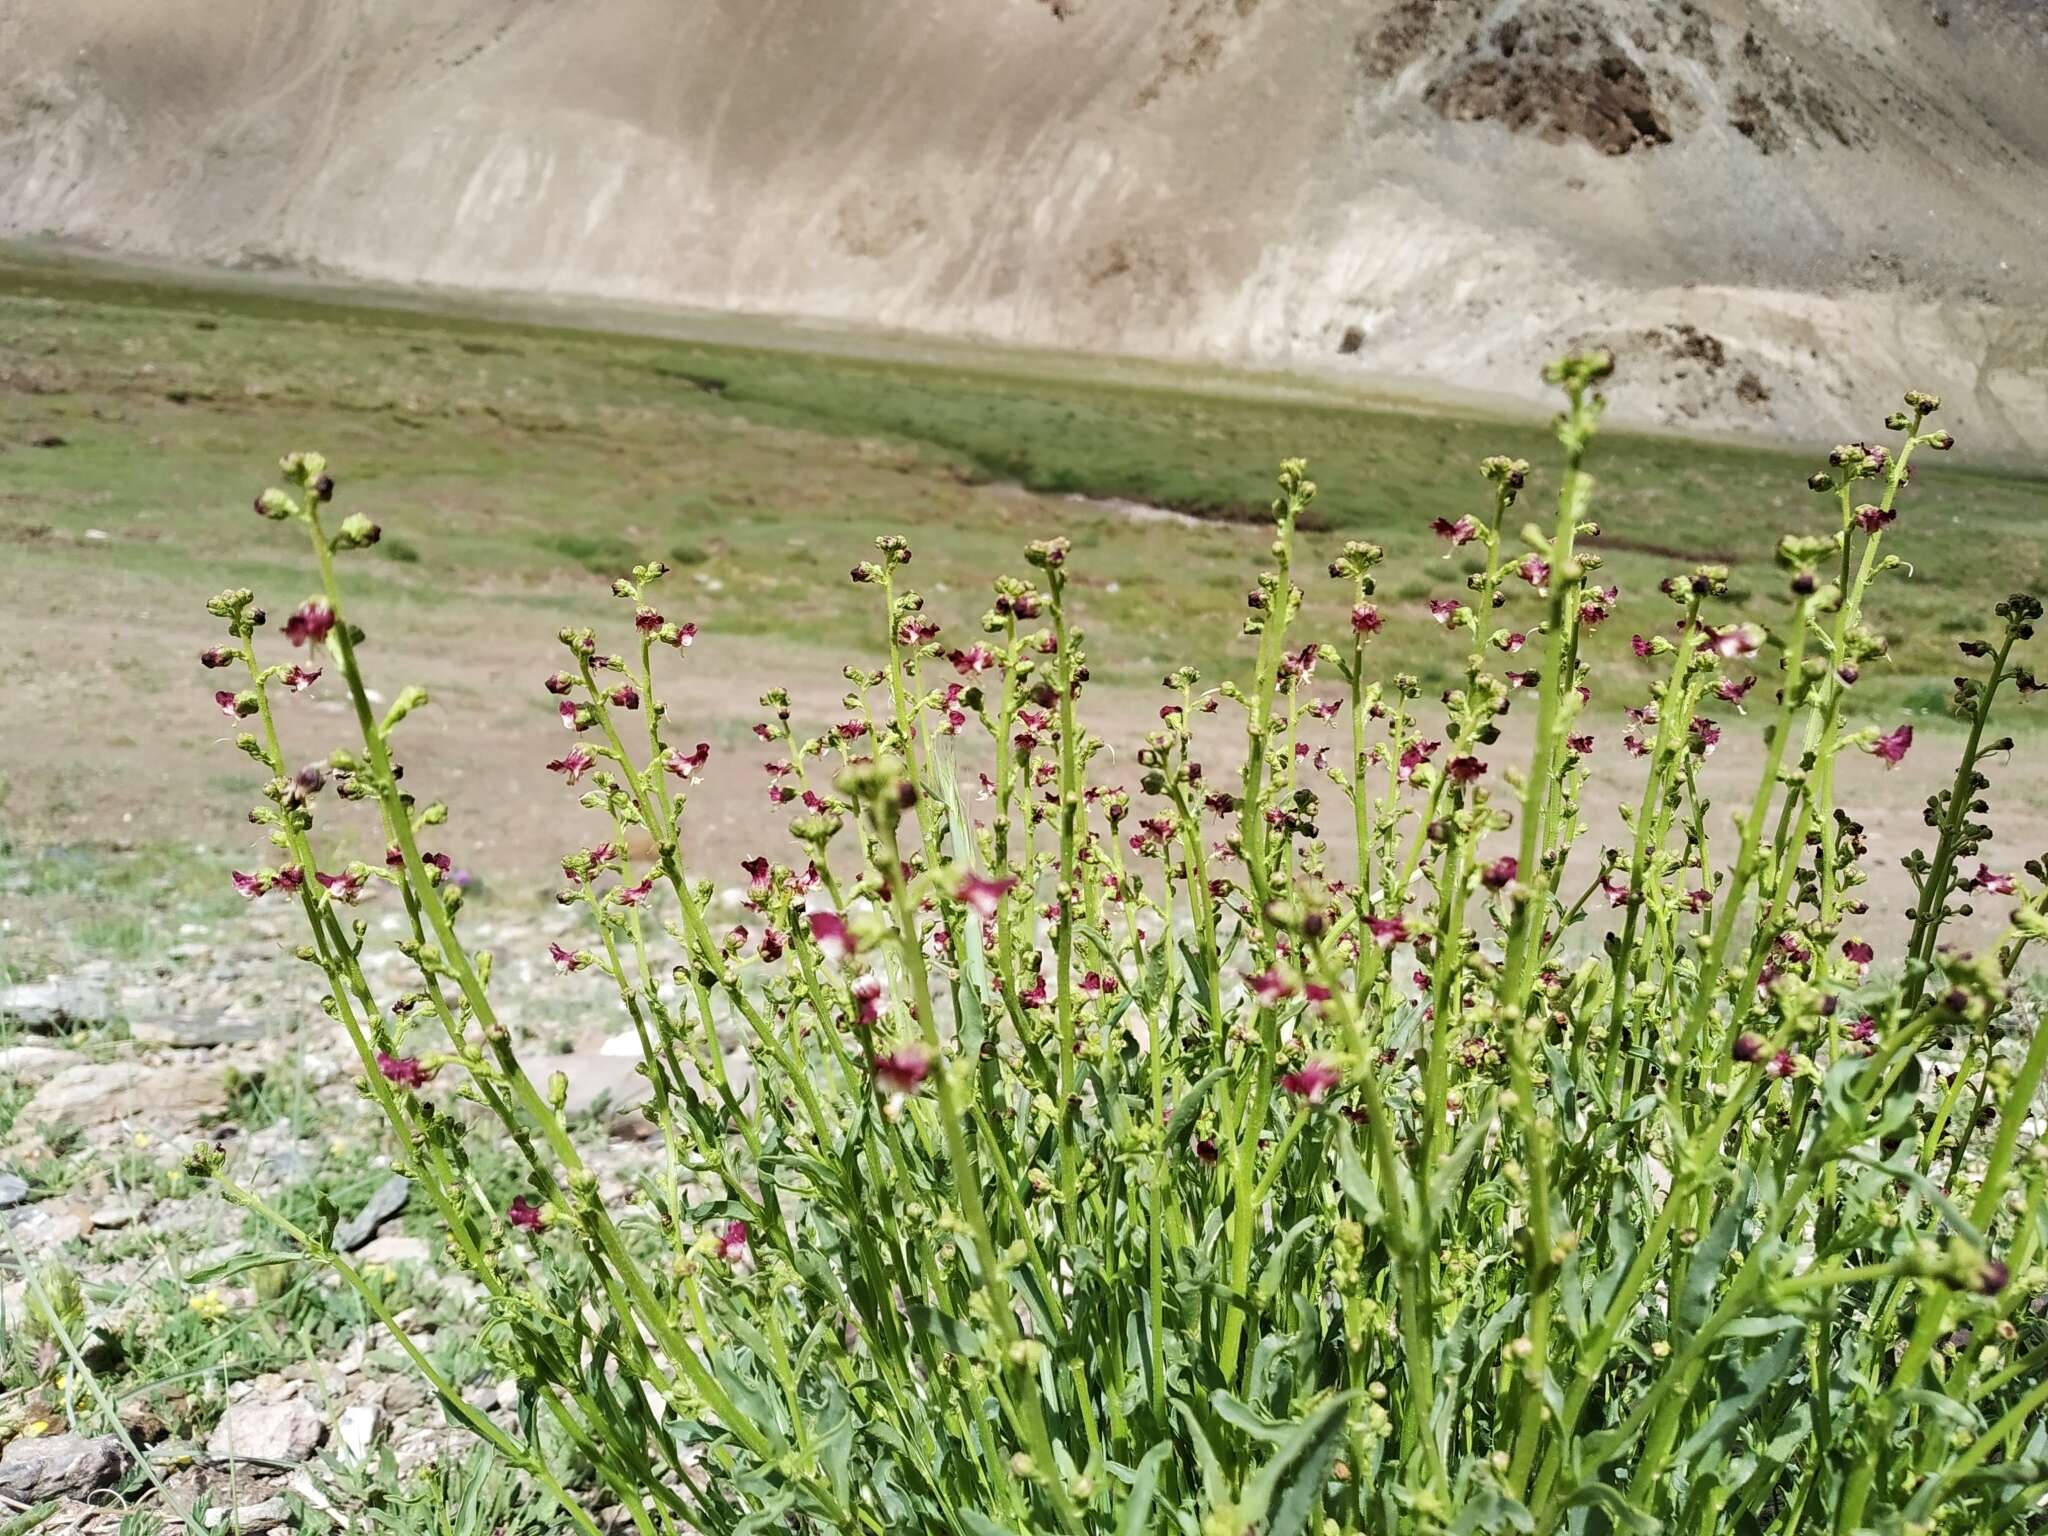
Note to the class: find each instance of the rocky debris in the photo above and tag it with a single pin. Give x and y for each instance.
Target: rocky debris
(34, 1063)
(61, 1002)
(168, 1099)
(273, 1423)
(385, 1202)
(35, 1468)
(1551, 72)
(13, 1189)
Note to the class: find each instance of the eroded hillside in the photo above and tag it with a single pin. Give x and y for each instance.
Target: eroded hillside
(1778, 210)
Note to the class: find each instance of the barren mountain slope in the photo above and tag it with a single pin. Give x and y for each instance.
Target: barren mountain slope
(1780, 209)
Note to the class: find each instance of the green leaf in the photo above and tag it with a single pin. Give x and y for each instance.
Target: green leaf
(1276, 1265)
(1138, 1507)
(1356, 1183)
(1242, 1415)
(1450, 1173)
(958, 1338)
(1609, 1501)
(1215, 1490)
(1704, 1272)
(1282, 1493)
(1190, 1105)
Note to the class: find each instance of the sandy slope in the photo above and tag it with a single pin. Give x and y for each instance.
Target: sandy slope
(1781, 209)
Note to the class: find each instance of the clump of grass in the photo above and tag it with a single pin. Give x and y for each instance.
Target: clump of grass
(1110, 1155)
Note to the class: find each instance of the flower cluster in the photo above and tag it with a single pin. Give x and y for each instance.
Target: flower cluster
(1309, 1132)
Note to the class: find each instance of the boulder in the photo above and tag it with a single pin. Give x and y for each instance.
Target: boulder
(59, 1003)
(385, 1202)
(34, 1063)
(35, 1468)
(166, 1100)
(268, 1426)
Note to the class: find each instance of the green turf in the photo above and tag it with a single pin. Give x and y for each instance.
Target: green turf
(511, 461)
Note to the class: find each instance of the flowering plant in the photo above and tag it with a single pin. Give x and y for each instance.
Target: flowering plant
(1044, 1152)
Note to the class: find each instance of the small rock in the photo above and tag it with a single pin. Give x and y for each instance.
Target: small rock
(57, 1003)
(393, 1248)
(594, 1078)
(50, 1466)
(356, 1429)
(41, 1228)
(34, 1063)
(385, 1202)
(267, 1516)
(260, 1428)
(170, 1099)
(189, 1031)
(13, 1189)
(111, 1218)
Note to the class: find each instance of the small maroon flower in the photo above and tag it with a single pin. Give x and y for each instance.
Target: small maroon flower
(732, 1243)
(1992, 1277)
(288, 879)
(568, 960)
(525, 1215)
(1366, 620)
(250, 886)
(634, 895)
(1535, 571)
(904, 1069)
(559, 683)
(1313, 1081)
(1734, 693)
(1463, 531)
(1205, 1149)
(647, 620)
(626, 696)
(1386, 931)
(1750, 1048)
(1500, 872)
(405, 1071)
(1784, 1064)
(218, 656)
(1735, 641)
(1444, 609)
(689, 769)
(681, 636)
(1857, 952)
(345, 887)
(1987, 879)
(236, 706)
(973, 661)
(1639, 645)
(298, 679)
(573, 764)
(575, 717)
(1095, 984)
(1463, 770)
(830, 933)
(1270, 987)
(310, 624)
(1892, 746)
(981, 894)
(1580, 744)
